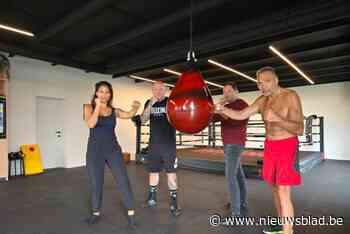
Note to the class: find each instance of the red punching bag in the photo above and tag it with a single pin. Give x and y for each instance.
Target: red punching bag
(190, 105)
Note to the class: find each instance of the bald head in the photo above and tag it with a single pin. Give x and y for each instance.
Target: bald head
(159, 90)
(158, 83)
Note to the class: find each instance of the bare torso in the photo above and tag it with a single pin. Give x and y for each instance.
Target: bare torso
(281, 105)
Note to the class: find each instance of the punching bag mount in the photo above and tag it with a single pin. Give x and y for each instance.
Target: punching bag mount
(191, 57)
(191, 60)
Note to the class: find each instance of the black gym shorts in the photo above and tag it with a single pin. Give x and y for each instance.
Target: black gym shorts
(162, 156)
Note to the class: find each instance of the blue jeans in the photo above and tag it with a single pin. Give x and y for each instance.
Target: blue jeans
(235, 178)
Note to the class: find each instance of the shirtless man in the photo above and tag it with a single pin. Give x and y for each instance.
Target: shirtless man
(283, 117)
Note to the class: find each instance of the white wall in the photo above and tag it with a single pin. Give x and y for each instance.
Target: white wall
(332, 101)
(31, 78)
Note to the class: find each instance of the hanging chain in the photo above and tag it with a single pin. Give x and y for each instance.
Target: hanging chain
(190, 53)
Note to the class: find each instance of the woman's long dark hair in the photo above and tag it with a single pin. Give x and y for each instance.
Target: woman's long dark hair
(98, 85)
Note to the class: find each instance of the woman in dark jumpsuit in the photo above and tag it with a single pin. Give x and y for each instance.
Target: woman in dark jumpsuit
(103, 148)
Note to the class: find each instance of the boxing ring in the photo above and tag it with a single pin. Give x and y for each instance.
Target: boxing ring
(204, 151)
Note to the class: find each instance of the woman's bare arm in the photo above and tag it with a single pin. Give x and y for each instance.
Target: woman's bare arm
(242, 114)
(90, 115)
(128, 114)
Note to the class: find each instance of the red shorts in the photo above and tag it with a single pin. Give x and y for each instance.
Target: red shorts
(281, 162)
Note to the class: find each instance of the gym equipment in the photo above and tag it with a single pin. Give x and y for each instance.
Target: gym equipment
(190, 105)
(32, 159)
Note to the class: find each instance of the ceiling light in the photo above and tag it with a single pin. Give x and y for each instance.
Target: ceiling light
(290, 63)
(16, 30)
(172, 72)
(231, 70)
(148, 80)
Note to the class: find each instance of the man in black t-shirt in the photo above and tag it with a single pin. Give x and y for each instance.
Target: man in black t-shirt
(162, 147)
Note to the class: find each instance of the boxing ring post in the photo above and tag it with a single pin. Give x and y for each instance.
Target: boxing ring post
(138, 138)
(211, 135)
(321, 134)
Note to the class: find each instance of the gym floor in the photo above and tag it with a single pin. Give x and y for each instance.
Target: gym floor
(57, 202)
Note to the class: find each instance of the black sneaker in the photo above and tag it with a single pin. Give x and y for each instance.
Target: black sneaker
(131, 221)
(273, 229)
(244, 211)
(227, 206)
(92, 219)
(175, 211)
(152, 198)
(149, 203)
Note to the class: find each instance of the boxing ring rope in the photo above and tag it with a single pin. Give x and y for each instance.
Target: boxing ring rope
(209, 136)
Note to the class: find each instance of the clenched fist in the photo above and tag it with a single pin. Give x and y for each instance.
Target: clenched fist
(136, 105)
(97, 102)
(218, 107)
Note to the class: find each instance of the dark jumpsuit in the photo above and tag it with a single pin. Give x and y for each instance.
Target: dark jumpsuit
(102, 148)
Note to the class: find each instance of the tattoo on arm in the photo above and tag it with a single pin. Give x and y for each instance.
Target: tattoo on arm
(146, 113)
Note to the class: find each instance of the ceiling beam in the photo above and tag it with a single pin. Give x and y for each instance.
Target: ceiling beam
(245, 35)
(317, 73)
(287, 84)
(318, 77)
(305, 57)
(70, 19)
(305, 42)
(298, 55)
(12, 49)
(119, 38)
(322, 62)
(286, 70)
